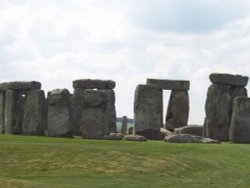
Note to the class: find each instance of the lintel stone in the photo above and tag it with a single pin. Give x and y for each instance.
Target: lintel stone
(20, 86)
(93, 84)
(228, 79)
(178, 85)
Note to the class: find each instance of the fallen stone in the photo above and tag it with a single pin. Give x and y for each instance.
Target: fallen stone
(229, 79)
(178, 110)
(93, 84)
(60, 113)
(114, 136)
(34, 118)
(187, 138)
(166, 132)
(240, 123)
(135, 138)
(193, 130)
(148, 111)
(179, 85)
(20, 86)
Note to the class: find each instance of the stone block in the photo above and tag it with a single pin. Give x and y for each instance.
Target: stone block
(13, 112)
(93, 114)
(228, 79)
(240, 123)
(60, 119)
(2, 101)
(34, 118)
(20, 86)
(93, 84)
(124, 125)
(218, 110)
(187, 138)
(110, 111)
(178, 110)
(179, 85)
(193, 130)
(148, 111)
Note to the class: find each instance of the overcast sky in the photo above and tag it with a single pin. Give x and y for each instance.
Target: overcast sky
(128, 41)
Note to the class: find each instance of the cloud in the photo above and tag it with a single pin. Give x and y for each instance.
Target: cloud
(56, 42)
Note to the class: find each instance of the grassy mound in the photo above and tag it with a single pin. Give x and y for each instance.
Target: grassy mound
(34, 162)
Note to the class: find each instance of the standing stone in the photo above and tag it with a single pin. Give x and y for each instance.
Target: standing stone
(218, 105)
(13, 113)
(240, 124)
(34, 119)
(92, 119)
(76, 99)
(2, 98)
(60, 120)
(219, 101)
(148, 111)
(178, 110)
(124, 125)
(111, 112)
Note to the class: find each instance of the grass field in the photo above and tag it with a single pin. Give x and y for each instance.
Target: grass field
(27, 162)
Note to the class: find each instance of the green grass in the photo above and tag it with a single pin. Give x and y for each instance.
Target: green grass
(34, 162)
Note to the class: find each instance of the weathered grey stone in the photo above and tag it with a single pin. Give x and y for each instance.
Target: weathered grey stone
(93, 84)
(178, 110)
(93, 114)
(60, 117)
(130, 130)
(124, 125)
(148, 111)
(218, 110)
(13, 112)
(187, 138)
(77, 97)
(193, 130)
(20, 85)
(240, 124)
(135, 138)
(110, 111)
(179, 85)
(164, 132)
(114, 136)
(34, 119)
(228, 79)
(2, 101)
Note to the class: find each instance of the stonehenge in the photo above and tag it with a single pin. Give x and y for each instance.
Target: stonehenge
(90, 112)
(218, 107)
(148, 107)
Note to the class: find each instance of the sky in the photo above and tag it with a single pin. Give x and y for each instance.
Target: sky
(58, 41)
